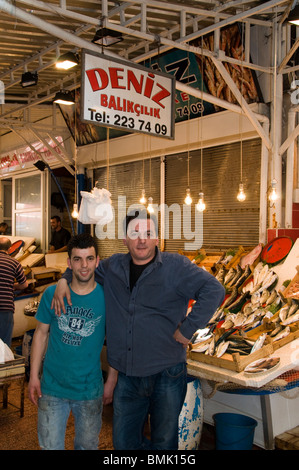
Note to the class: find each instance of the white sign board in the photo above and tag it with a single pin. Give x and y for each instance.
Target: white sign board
(127, 97)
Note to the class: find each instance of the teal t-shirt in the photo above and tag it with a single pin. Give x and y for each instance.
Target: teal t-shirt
(72, 366)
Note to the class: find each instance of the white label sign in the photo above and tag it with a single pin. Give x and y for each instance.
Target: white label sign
(127, 97)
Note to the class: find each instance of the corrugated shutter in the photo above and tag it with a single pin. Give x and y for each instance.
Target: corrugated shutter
(226, 221)
(126, 181)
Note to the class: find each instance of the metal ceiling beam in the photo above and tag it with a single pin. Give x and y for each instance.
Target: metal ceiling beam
(39, 154)
(63, 151)
(244, 105)
(288, 56)
(51, 149)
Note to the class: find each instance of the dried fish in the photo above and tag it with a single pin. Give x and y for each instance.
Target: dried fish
(201, 348)
(282, 334)
(220, 275)
(250, 319)
(283, 313)
(229, 276)
(262, 274)
(277, 329)
(231, 298)
(293, 308)
(211, 349)
(217, 316)
(264, 296)
(256, 287)
(270, 282)
(228, 322)
(238, 274)
(248, 309)
(272, 297)
(248, 287)
(259, 342)
(245, 275)
(239, 319)
(256, 272)
(221, 349)
(256, 298)
(238, 303)
(225, 336)
(292, 319)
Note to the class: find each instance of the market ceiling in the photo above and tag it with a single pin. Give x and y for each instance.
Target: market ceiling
(33, 34)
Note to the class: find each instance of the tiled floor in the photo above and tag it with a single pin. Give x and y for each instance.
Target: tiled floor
(20, 433)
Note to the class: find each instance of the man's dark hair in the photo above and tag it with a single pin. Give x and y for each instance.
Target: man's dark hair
(3, 225)
(5, 243)
(140, 214)
(83, 240)
(56, 217)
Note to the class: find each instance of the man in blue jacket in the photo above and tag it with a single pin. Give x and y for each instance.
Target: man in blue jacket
(147, 330)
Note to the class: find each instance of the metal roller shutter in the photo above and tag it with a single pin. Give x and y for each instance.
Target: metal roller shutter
(226, 221)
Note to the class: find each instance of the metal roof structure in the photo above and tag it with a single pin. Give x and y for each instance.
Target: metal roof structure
(34, 33)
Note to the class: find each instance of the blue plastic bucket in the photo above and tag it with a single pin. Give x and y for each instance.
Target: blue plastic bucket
(234, 431)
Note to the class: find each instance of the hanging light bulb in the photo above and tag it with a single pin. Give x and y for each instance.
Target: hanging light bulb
(241, 195)
(142, 200)
(75, 213)
(188, 198)
(273, 196)
(150, 208)
(200, 206)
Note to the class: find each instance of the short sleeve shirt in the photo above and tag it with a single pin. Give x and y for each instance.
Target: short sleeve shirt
(72, 367)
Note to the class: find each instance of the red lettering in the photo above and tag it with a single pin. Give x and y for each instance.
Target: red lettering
(130, 107)
(149, 86)
(133, 80)
(104, 101)
(93, 75)
(160, 95)
(115, 77)
(99, 80)
(112, 103)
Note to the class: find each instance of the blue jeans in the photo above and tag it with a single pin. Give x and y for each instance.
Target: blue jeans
(161, 396)
(53, 414)
(6, 326)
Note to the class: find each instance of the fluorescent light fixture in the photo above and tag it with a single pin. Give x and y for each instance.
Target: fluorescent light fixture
(64, 97)
(107, 37)
(293, 17)
(29, 79)
(67, 61)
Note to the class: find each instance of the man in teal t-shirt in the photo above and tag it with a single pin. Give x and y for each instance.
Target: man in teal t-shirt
(71, 376)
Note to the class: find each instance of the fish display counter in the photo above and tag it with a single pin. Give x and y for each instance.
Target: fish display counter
(248, 355)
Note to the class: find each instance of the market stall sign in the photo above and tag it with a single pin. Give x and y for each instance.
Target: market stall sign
(127, 97)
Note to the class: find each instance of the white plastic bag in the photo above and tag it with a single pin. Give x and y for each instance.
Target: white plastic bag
(95, 207)
(6, 353)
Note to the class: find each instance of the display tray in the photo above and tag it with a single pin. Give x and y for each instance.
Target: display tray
(14, 367)
(235, 361)
(268, 326)
(261, 366)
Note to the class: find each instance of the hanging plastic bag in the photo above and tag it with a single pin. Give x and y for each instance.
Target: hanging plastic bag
(95, 207)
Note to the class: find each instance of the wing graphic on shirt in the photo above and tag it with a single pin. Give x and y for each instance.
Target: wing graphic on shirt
(77, 325)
